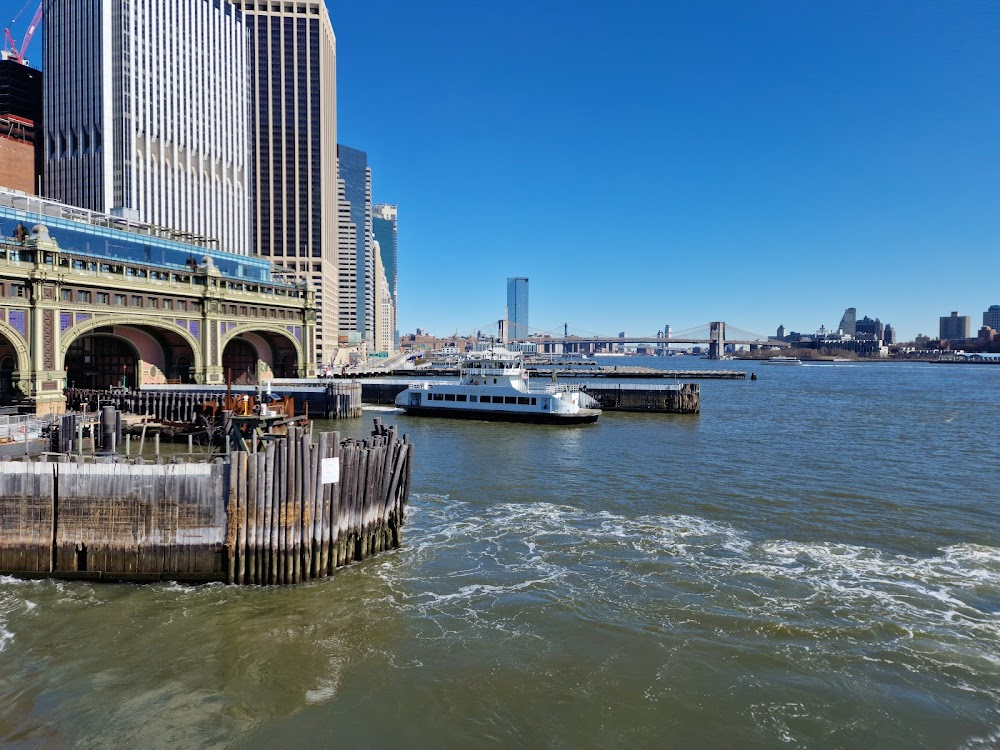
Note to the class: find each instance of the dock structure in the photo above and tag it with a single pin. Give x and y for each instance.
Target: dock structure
(290, 510)
(330, 399)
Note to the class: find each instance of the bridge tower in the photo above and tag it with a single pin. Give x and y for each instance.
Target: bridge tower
(716, 339)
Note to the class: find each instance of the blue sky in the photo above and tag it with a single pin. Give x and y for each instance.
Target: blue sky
(646, 163)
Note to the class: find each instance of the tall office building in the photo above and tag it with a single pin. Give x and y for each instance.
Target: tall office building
(347, 270)
(991, 317)
(293, 136)
(869, 327)
(955, 327)
(385, 311)
(352, 168)
(146, 113)
(517, 306)
(385, 229)
(848, 323)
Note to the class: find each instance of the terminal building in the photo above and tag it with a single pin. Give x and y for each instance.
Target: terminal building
(90, 300)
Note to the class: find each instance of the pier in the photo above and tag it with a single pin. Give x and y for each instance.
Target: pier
(291, 509)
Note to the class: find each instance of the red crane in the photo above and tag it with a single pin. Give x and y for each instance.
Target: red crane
(12, 51)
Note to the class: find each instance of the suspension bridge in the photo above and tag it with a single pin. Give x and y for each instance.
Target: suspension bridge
(715, 334)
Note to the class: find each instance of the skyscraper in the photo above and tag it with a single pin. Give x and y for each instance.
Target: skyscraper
(146, 123)
(991, 317)
(848, 323)
(352, 168)
(385, 228)
(954, 327)
(293, 134)
(517, 306)
(385, 315)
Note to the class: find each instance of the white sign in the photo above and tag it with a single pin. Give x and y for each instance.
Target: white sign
(330, 470)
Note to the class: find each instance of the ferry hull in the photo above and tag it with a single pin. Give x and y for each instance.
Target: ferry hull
(584, 416)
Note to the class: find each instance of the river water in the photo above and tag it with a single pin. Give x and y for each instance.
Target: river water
(811, 562)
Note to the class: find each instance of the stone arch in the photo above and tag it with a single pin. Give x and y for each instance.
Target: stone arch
(147, 329)
(22, 360)
(248, 331)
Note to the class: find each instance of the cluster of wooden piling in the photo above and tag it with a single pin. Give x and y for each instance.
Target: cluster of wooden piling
(292, 510)
(286, 525)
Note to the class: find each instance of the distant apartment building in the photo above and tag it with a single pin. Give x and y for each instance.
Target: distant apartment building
(21, 149)
(991, 317)
(357, 283)
(517, 306)
(848, 323)
(385, 229)
(955, 327)
(147, 114)
(293, 136)
(868, 327)
(889, 335)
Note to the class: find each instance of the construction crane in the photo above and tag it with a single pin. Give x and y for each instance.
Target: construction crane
(11, 52)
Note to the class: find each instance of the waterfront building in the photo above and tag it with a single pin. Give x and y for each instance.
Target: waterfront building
(91, 303)
(780, 332)
(991, 317)
(21, 150)
(359, 299)
(848, 322)
(147, 112)
(955, 327)
(889, 335)
(293, 136)
(517, 306)
(385, 229)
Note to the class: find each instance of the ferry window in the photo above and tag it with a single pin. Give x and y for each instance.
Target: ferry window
(461, 397)
(509, 399)
(449, 397)
(473, 398)
(522, 400)
(533, 400)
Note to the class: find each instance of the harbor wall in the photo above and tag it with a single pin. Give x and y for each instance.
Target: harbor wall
(292, 511)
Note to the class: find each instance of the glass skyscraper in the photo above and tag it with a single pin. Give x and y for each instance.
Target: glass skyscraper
(357, 180)
(517, 306)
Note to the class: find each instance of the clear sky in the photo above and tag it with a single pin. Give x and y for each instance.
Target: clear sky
(645, 163)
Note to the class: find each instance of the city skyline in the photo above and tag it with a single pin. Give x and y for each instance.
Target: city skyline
(750, 157)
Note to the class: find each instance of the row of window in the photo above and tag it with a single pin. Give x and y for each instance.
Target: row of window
(519, 400)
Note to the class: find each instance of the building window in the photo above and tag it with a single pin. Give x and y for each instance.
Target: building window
(154, 303)
(120, 300)
(17, 290)
(168, 304)
(182, 305)
(67, 295)
(83, 297)
(136, 300)
(103, 298)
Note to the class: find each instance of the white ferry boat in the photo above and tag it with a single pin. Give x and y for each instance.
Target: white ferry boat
(493, 385)
(783, 361)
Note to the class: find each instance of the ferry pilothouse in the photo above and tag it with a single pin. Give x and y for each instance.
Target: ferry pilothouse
(493, 385)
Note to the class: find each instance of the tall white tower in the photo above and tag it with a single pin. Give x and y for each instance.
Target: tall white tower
(144, 116)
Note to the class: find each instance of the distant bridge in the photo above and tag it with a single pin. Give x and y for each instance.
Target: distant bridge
(714, 334)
